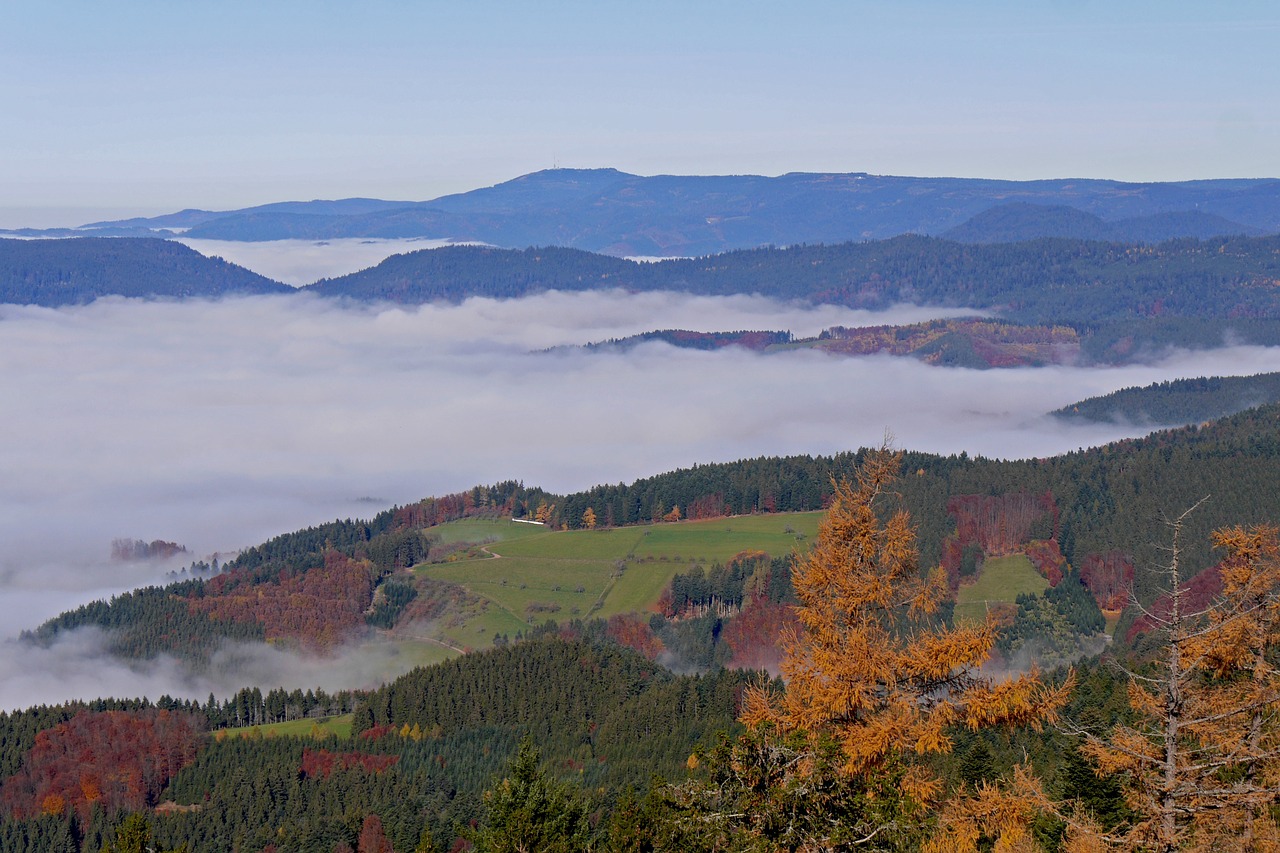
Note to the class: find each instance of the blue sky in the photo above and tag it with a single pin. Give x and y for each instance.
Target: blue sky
(154, 106)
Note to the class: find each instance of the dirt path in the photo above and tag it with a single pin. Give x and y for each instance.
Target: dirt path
(437, 642)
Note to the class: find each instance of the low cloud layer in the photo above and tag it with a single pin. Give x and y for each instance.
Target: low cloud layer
(76, 666)
(220, 424)
(299, 262)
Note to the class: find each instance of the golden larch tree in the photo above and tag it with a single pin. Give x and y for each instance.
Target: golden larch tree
(872, 670)
(1201, 758)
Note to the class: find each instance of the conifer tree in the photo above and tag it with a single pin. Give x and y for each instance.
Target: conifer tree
(528, 812)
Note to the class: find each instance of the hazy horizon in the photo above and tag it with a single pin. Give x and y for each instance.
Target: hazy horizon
(155, 107)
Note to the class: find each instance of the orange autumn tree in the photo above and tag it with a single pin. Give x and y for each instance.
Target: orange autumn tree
(876, 682)
(1200, 761)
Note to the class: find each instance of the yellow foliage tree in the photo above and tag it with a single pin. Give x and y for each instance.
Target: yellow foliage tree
(1201, 761)
(589, 519)
(872, 670)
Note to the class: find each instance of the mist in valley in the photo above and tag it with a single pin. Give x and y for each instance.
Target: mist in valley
(218, 424)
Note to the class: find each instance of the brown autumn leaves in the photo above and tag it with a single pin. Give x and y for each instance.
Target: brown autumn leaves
(876, 679)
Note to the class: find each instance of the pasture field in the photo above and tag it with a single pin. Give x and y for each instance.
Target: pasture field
(1001, 581)
(481, 529)
(535, 574)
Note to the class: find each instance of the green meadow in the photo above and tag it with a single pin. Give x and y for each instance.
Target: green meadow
(1001, 581)
(317, 728)
(529, 574)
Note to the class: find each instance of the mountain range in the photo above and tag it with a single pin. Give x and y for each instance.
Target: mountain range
(616, 213)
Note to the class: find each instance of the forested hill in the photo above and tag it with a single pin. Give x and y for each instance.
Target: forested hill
(1098, 510)
(1180, 401)
(605, 210)
(1043, 281)
(79, 270)
(1121, 298)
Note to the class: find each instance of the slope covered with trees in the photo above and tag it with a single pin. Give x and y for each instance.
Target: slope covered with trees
(1100, 289)
(76, 271)
(1178, 401)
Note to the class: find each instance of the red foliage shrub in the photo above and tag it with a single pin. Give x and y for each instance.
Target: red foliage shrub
(1047, 558)
(117, 759)
(378, 732)
(318, 608)
(1198, 593)
(320, 763)
(632, 631)
(1109, 577)
(755, 635)
(372, 838)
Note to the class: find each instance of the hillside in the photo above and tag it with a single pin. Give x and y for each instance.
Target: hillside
(1180, 401)
(608, 211)
(1049, 548)
(423, 750)
(974, 343)
(76, 271)
(1125, 302)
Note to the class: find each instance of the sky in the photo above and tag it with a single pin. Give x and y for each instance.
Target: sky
(218, 424)
(148, 106)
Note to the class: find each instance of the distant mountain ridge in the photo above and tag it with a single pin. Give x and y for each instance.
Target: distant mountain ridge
(1021, 221)
(1124, 301)
(616, 213)
(1051, 280)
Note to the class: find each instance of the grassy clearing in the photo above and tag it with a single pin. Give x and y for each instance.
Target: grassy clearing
(475, 630)
(322, 728)
(638, 588)
(419, 651)
(720, 539)
(1113, 619)
(1001, 581)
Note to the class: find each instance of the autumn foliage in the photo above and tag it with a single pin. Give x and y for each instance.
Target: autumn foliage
(318, 608)
(320, 763)
(1109, 577)
(1200, 758)
(870, 668)
(115, 759)
(630, 630)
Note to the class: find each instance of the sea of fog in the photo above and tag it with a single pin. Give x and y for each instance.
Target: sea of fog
(218, 424)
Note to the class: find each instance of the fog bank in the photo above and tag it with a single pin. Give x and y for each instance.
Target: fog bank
(219, 424)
